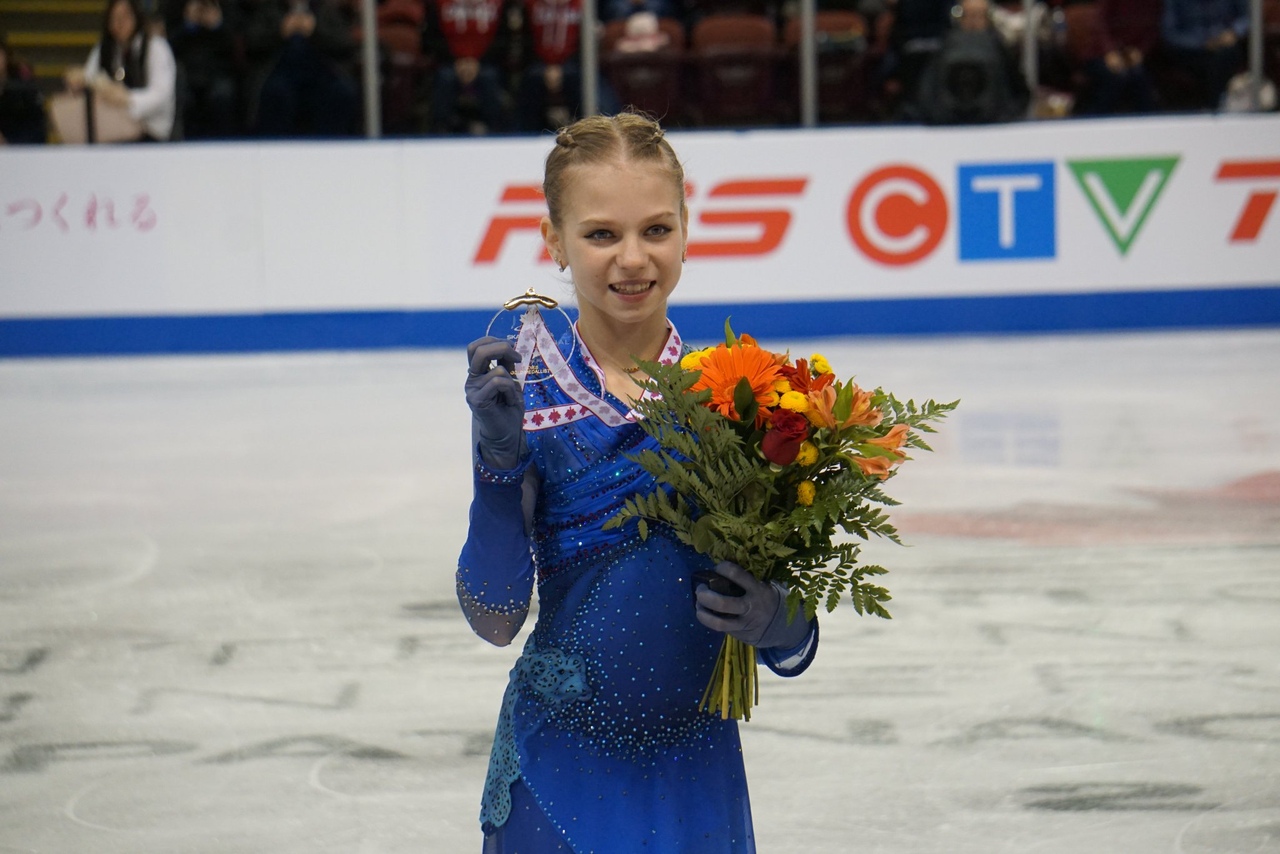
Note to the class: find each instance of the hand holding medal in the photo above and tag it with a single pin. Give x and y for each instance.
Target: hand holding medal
(533, 323)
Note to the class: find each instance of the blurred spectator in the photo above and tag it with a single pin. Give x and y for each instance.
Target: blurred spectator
(550, 93)
(468, 40)
(22, 116)
(132, 68)
(914, 38)
(619, 10)
(973, 78)
(1239, 97)
(1115, 56)
(1205, 38)
(208, 86)
(303, 50)
(642, 33)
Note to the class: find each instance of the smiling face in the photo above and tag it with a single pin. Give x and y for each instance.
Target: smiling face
(622, 232)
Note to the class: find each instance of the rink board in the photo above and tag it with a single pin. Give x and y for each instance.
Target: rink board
(1053, 226)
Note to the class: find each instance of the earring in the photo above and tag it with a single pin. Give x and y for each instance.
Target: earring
(562, 265)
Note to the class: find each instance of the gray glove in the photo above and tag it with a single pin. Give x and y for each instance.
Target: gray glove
(497, 402)
(758, 617)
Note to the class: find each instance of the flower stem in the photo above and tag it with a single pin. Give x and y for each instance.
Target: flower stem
(733, 688)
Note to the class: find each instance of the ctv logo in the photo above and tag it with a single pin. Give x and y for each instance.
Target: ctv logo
(898, 215)
(754, 204)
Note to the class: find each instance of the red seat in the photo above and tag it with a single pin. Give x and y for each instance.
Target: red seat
(1271, 39)
(734, 58)
(843, 66)
(401, 12)
(1081, 22)
(404, 67)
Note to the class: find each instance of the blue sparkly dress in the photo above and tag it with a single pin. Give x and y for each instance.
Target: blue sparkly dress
(600, 745)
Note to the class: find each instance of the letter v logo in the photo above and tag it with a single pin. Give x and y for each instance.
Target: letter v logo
(1123, 192)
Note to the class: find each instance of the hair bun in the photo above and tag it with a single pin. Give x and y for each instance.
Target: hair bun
(565, 139)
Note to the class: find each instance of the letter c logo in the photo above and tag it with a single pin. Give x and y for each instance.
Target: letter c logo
(897, 215)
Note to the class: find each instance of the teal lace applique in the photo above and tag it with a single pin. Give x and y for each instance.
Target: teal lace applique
(555, 677)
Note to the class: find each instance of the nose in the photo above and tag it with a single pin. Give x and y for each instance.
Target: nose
(632, 254)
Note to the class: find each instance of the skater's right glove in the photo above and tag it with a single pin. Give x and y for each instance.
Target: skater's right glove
(497, 402)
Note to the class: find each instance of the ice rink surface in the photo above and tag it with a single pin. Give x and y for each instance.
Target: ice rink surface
(228, 626)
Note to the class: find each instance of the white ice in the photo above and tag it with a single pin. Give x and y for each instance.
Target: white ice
(227, 620)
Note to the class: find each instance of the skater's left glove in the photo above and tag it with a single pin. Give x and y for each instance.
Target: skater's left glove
(757, 617)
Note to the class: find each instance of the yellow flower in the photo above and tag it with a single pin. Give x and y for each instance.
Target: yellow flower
(781, 386)
(795, 401)
(693, 361)
(806, 491)
(819, 365)
(808, 454)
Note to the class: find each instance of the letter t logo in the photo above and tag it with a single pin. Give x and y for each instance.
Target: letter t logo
(1258, 204)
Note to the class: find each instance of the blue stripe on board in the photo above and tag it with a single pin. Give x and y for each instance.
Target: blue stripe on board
(360, 330)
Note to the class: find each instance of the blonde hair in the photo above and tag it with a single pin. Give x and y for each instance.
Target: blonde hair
(628, 136)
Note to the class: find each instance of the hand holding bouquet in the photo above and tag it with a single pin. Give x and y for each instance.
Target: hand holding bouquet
(765, 462)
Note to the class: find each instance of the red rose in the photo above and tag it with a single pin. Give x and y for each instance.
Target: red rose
(781, 444)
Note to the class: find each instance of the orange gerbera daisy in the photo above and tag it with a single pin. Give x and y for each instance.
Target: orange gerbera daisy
(724, 367)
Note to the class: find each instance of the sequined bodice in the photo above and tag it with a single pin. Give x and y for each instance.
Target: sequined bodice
(622, 603)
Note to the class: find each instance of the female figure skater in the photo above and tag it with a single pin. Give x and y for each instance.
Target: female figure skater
(600, 744)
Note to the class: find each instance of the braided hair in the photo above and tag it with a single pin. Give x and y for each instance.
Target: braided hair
(628, 136)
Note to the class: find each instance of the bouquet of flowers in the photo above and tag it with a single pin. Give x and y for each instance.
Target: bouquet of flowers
(766, 461)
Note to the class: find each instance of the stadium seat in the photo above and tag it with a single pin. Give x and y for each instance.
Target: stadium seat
(652, 80)
(1271, 39)
(734, 58)
(842, 66)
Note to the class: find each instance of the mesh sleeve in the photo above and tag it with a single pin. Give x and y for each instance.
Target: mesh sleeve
(495, 570)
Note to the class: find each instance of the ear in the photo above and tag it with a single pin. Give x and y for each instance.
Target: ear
(551, 239)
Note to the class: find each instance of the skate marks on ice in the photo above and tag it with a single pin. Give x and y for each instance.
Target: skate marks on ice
(72, 564)
(312, 733)
(1116, 698)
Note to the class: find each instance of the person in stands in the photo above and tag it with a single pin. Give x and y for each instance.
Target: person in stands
(469, 42)
(202, 34)
(1115, 58)
(303, 50)
(1205, 38)
(973, 78)
(22, 116)
(550, 93)
(133, 69)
